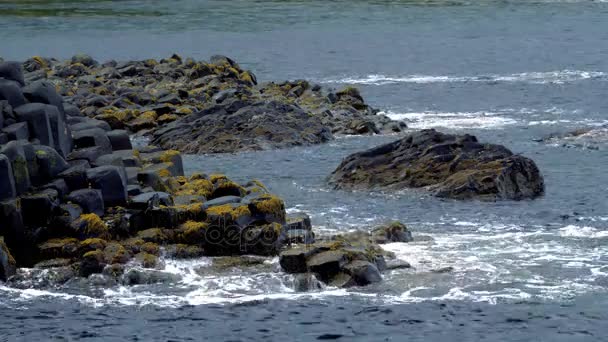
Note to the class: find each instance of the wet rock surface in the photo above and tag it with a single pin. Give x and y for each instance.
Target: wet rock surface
(448, 165)
(188, 105)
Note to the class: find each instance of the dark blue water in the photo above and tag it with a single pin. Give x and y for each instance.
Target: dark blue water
(511, 72)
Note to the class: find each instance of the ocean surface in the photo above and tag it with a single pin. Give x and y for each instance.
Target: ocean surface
(510, 72)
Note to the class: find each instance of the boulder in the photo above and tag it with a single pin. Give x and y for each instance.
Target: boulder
(392, 232)
(62, 135)
(90, 200)
(92, 137)
(447, 165)
(261, 126)
(85, 60)
(327, 264)
(17, 131)
(11, 92)
(119, 139)
(12, 71)
(44, 92)
(363, 272)
(75, 177)
(8, 266)
(37, 117)
(13, 229)
(87, 123)
(16, 155)
(110, 180)
(38, 208)
(88, 154)
(149, 200)
(50, 163)
(7, 181)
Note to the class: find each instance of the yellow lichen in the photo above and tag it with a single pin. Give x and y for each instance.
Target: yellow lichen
(149, 115)
(229, 212)
(40, 61)
(198, 187)
(217, 177)
(268, 204)
(164, 173)
(183, 111)
(192, 231)
(93, 243)
(94, 225)
(167, 156)
(150, 248)
(97, 254)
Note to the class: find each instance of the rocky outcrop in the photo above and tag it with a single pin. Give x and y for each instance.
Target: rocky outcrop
(75, 194)
(193, 106)
(448, 165)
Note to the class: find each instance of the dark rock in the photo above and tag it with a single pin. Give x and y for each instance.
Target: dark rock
(58, 185)
(298, 221)
(90, 200)
(85, 60)
(71, 110)
(300, 236)
(75, 177)
(396, 264)
(448, 165)
(260, 126)
(16, 155)
(133, 190)
(12, 71)
(327, 264)
(17, 131)
(91, 263)
(38, 208)
(150, 200)
(14, 232)
(11, 92)
(392, 232)
(62, 135)
(50, 164)
(221, 201)
(60, 223)
(110, 180)
(294, 260)
(119, 139)
(90, 124)
(363, 272)
(37, 117)
(306, 282)
(8, 265)
(89, 154)
(7, 181)
(92, 137)
(44, 92)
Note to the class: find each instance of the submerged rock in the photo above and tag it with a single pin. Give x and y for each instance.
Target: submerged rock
(447, 165)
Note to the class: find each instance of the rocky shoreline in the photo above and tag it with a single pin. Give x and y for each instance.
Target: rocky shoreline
(78, 199)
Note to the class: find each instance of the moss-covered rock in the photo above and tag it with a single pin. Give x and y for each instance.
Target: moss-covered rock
(90, 226)
(448, 165)
(268, 208)
(59, 248)
(183, 251)
(147, 260)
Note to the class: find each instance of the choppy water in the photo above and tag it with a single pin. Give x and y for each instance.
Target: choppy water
(511, 72)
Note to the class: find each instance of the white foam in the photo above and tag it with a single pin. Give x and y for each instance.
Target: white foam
(549, 77)
(453, 120)
(583, 232)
